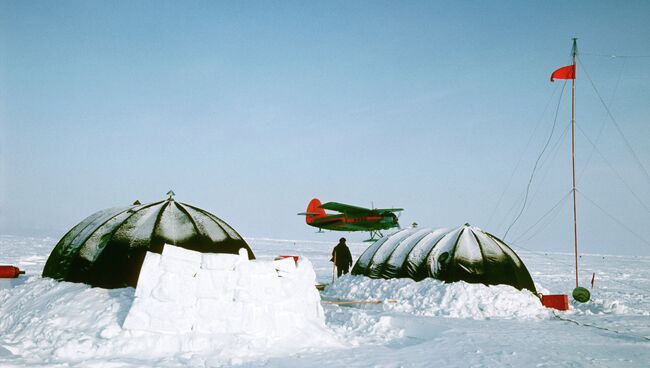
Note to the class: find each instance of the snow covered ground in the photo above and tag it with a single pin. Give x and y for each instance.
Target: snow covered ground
(44, 323)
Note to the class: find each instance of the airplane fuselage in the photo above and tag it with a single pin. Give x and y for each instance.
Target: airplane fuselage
(341, 222)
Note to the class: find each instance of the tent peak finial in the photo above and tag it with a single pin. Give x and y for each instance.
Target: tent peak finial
(171, 195)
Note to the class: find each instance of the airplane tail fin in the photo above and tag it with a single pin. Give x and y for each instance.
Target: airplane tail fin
(313, 211)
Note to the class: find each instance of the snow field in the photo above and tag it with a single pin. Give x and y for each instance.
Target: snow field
(44, 323)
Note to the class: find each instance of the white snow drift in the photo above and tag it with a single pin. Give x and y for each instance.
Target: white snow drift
(432, 297)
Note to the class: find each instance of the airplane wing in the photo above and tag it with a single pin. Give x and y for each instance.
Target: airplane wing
(343, 208)
(388, 209)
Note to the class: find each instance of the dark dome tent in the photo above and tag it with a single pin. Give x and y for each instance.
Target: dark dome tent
(108, 247)
(466, 253)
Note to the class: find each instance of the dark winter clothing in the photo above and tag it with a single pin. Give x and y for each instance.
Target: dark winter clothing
(342, 258)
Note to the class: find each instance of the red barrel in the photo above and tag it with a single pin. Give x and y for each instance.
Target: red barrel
(9, 272)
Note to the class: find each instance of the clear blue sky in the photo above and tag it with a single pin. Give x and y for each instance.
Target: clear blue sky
(250, 109)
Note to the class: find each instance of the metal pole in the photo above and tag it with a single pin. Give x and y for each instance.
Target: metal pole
(573, 156)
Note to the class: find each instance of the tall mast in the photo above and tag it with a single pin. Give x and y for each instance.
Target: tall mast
(574, 51)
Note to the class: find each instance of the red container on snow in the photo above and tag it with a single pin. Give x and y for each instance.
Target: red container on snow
(9, 272)
(559, 302)
(295, 258)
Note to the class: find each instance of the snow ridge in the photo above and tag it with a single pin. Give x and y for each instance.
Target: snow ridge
(432, 297)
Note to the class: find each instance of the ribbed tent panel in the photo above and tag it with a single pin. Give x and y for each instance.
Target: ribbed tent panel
(395, 262)
(465, 253)
(378, 263)
(416, 267)
(107, 248)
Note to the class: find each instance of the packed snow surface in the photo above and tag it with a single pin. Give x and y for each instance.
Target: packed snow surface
(45, 323)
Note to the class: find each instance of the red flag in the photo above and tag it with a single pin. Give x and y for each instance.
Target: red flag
(565, 72)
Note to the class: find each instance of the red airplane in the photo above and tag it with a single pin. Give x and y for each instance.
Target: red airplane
(350, 218)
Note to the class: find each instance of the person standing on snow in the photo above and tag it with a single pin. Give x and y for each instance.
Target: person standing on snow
(342, 258)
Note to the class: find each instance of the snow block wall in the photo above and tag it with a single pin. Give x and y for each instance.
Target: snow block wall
(184, 291)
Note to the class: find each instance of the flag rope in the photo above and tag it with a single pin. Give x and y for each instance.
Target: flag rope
(532, 174)
(618, 128)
